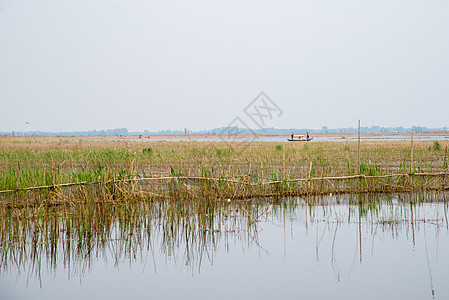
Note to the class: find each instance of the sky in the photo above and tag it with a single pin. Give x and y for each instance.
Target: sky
(78, 65)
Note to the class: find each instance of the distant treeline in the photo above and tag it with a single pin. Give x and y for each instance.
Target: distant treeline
(323, 129)
(226, 130)
(107, 132)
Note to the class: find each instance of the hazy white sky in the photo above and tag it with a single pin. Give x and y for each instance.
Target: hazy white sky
(97, 64)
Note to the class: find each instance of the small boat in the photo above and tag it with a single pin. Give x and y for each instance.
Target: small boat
(300, 138)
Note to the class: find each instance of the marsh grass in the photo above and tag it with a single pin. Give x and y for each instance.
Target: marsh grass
(190, 170)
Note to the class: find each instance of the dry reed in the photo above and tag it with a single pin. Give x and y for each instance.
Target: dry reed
(113, 171)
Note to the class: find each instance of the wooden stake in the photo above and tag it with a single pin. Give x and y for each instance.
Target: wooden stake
(411, 155)
(310, 174)
(283, 146)
(358, 147)
(283, 158)
(263, 179)
(445, 157)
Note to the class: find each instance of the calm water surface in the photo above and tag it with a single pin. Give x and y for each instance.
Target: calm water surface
(345, 247)
(281, 139)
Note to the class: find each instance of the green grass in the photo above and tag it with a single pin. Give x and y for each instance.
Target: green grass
(237, 170)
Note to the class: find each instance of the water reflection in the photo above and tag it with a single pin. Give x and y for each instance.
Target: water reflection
(290, 237)
(73, 236)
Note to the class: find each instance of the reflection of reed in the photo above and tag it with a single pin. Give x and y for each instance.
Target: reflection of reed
(74, 236)
(393, 215)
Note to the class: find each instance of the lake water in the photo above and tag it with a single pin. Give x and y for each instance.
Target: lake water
(339, 247)
(280, 139)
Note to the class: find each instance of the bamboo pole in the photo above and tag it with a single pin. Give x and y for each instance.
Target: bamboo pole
(413, 221)
(220, 179)
(411, 154)
(310, 174)
(283, 156)
(358, 146)
(283, 159)
(445, 159)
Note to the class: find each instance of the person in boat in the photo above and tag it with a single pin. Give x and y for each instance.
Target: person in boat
(292, 135)
(307, 135)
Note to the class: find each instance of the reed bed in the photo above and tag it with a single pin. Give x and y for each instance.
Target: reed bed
(114, 171)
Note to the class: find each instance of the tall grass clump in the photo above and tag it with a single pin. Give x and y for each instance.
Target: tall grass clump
(436, 146)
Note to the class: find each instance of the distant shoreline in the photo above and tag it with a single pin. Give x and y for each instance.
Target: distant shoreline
(211, 136)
